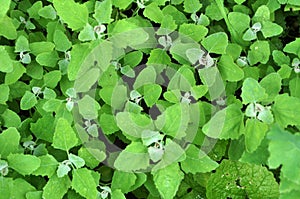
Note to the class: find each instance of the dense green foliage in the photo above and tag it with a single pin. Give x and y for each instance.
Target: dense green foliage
(149, 99)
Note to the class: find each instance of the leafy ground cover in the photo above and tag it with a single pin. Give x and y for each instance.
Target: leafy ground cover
(149, 99)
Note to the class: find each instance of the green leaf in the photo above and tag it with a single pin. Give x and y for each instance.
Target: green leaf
(4, 93)
(9, 141)
(280, 58)
(191, 6)
(254, 133)
(88, 107)
(41, 47)
(47, 12)
(48, 59)
(167, 180)
(56, 187)
(77, 161)
(5, 7)
(21, 187)
(133, 158)
(43, 128)
(114, 96)
(153, 12)
(270, 29)
(123, 181)
(216, 43)
(47, 167)
(16, 74)
(52, 78)
(6, 187)
(89, 158)
(262, 14)
(174, 120)
(239, 1)
(10, 31)
(6, 64)
(293, 47)
(294, 86)
(122, 4)
(286, 110)
(197, 161)
(23, 164)
(85, 81)
(108, 124)
(146, 76)
(229, 70)
(183, 79)
(193, 31)
(87, 34)
(283, 147)
(225, 124)
(167, 26)
(252, 91)
(117, 194)
(103, 11)
(28, 101)
(259, 52)
(83, 182)
(152, 93)
(22, 44)
(64, 136)
(74, 14)
(272, 85)
(63, 170)
(240, 180)
(11, 119)
(61, 41)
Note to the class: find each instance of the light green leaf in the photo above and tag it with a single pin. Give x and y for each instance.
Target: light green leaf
(108, 124)
(116, 96)
(262, 14)
(88, 107)
(191, 6)
(64, 136)
(52, 78)
(239, 1)
(47, 12)
(123, 181)
(76, 160)
(21, 187)
(48, 59)
(280, 58)
(22, 44)
(117, 194)
(103, 11)
(249, 35)
(61, 41)
(43, 128)
(286, 110)
(87, 34)
(174, 120)
(151, 94)
(9, 141)
(83, 182)
(74, 14)
(85, 81)
(283, 147)
(6, 64)
(56, 187)
(183, 79)
(225, 124)
(229, 70)
(63, 170)
(146, 76)
(294, 86)
(272, 85)
(11, 119)
(18, 71)
(254, 133)
(193, 31)
(5, 7)
(28, 101)
(216, 43)
(23, 164)
(270, 29)
(293, 47)
(4, 93)
(10, 31)
(89, 158)
(153, 12)
(259, 52)
(167, 180)
(134, 158)
(252, 91)
(122, 4)
(239, 180)
(197, 161)
(47, 167)
(41, 47)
